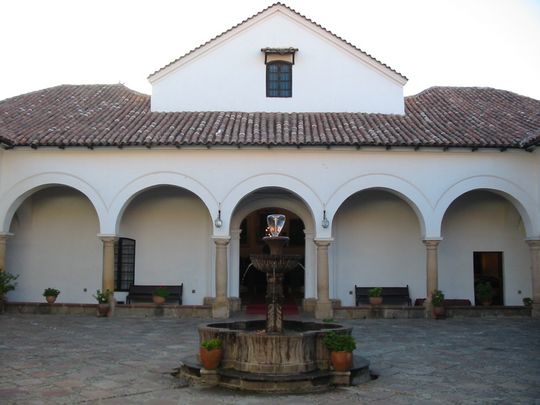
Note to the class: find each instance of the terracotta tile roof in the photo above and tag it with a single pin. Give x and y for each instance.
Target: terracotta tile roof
(263, 11)
(113, 115)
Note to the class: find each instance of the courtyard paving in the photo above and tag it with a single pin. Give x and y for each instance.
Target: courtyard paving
(67, 359)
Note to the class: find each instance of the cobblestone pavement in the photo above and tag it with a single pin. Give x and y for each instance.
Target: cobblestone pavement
(54, 359)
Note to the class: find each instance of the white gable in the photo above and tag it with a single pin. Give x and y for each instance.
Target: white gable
(229, 74)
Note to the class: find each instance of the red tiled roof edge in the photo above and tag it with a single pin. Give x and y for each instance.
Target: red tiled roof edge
(261, 12)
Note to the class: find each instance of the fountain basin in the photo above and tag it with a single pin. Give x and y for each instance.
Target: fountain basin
(247, 347)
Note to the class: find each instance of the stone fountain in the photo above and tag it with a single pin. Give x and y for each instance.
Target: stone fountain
(274, 355)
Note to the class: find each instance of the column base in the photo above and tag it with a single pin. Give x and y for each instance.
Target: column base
(221, 308)
(535, 310)
(324, 310)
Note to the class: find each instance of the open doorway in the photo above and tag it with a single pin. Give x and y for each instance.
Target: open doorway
(488, 268)
(253, 282)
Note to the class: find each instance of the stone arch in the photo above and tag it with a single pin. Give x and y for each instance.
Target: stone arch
(138, 185)
(393, 184)
(289, 183)
(16, 195)
(519, 198)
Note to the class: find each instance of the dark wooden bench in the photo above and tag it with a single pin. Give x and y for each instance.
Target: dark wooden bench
(145, 292)
(391, 295)
(447, 303)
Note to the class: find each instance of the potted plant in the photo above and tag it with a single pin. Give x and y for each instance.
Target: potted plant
(103, 302)
(375, 296)
(210, 353)
(437, 304)
(527, 301)
(159, 296)
(7, 283)
(50, 294)
(485, 293)
(341, 347)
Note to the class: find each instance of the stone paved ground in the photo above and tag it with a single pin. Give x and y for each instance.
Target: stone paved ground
(52, 359)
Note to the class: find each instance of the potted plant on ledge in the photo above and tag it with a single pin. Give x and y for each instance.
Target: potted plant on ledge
(159, 296)
(103, 302)
(375, 296)
(341, 347)
(51, 294)
(437, 304)
(210, 353)
(485, 293)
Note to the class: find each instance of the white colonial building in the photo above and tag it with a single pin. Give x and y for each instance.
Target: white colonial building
(278, 114)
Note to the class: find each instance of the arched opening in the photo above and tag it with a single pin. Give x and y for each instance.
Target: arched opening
(253, 282)
(171, 229)
(483, 241)
(248, 224)
(377, 243)
(55, 244)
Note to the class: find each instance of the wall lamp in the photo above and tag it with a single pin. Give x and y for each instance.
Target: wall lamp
(218, 222)
(325, 223)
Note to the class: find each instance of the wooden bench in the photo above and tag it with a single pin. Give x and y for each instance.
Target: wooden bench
(447, 303)
(145, 293)
(391, 295)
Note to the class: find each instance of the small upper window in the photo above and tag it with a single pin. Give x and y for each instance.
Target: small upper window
(279, 79)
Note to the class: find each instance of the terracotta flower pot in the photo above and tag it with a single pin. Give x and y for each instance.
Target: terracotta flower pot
(103, 309)
(210, 358)
(50, 299)
(375, 300)
(341, 361)
(438, 312)
(158, 300)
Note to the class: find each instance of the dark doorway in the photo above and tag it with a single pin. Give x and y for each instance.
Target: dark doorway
(252, 281)
(488, 267)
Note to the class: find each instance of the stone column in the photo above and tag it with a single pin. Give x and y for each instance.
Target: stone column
(107, 280)
(432, 265)
(3, 240)
(234, 270)
(323, 307)
(220, 306)
(534, 246)
(310, 287)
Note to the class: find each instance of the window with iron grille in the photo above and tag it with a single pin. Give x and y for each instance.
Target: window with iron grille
(124, 259)
(279, 79)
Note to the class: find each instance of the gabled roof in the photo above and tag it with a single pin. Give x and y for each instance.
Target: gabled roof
(276, 7)
(113, 115)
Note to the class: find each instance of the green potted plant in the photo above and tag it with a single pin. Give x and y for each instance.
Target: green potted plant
(103, 302)
(210, 353)
(341, 346)
(50, 294)
(159, 295)
(437, 304)
(485, 293)
(527, 301)
(7, 283)
(375, 296)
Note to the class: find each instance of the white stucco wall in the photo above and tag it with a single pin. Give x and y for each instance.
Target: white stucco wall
(55, 245)
(481, 221)
(229, 74)
(377, 244)
(321, 179)
(172, 231)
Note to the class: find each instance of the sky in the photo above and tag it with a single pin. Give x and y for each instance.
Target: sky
(486, 43)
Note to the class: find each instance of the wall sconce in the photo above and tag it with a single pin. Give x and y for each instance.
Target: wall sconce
(325, 223)
(218, 222)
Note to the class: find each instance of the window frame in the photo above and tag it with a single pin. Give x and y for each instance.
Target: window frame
(279, 63)
(120, 262)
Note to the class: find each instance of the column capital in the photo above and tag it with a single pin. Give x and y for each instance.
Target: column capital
(221, 240)
(235, 233)
(107, 238)
(323, 242)
(6, 235)
(533, 243)
(432, 243)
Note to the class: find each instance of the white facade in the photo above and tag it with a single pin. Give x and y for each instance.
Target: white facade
(381, 206)
(328, 74)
